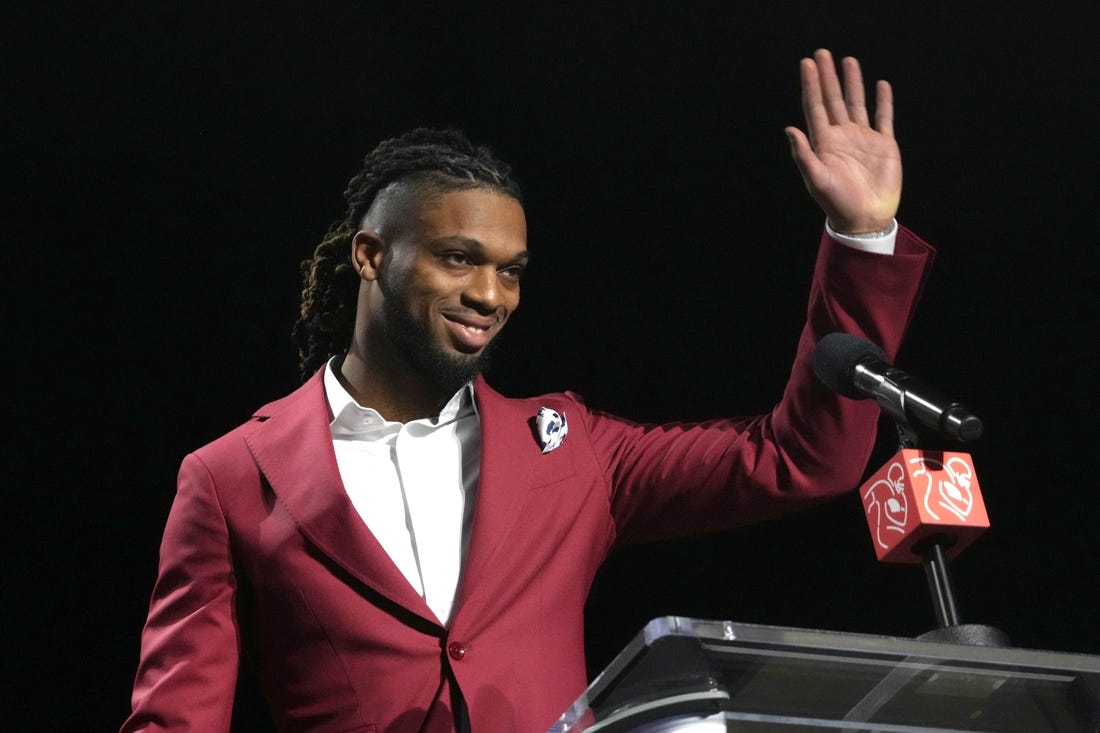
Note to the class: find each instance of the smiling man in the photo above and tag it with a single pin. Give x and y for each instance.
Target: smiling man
(447, 268)
(401, 548)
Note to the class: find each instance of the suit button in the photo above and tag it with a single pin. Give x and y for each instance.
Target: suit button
(456, 650)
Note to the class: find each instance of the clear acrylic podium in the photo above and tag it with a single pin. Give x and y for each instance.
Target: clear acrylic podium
(687, 675)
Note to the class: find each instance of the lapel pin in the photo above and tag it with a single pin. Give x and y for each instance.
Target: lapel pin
(551, 428)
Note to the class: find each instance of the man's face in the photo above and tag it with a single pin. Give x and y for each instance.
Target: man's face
(450, 280)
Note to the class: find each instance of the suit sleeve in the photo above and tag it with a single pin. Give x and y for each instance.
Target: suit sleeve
(190, 645)
(685, 478)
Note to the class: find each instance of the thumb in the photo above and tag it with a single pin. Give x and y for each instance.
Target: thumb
(801, 151)
(797, 140)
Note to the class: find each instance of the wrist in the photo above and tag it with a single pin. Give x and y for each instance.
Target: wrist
(882, 243)
(873, 230)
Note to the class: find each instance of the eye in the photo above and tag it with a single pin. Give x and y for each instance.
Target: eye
(454, 258)
(512, 273)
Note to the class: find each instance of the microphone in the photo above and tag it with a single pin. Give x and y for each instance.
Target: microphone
(856, 368)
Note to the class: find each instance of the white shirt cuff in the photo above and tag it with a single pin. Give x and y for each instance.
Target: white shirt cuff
(878, 242)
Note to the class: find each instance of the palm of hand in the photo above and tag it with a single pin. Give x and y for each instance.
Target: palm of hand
(858, 183)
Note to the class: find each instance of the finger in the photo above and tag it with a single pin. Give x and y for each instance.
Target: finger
(884, 108)
(812, 106)
(853, 91)
(804, 157)
(830, 87)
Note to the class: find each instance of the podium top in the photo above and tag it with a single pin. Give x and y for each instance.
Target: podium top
(680, 671)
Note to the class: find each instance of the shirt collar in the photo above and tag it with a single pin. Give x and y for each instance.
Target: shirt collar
(349, 418)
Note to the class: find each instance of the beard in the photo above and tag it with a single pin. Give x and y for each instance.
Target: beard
(448, 371)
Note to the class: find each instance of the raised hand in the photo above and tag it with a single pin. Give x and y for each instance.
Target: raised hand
(852, 170)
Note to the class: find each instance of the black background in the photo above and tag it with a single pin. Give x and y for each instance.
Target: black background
(170, 166)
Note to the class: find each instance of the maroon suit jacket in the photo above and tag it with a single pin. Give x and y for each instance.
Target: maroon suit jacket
(263, 547)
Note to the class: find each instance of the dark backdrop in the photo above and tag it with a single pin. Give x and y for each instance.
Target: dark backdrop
(169, 167)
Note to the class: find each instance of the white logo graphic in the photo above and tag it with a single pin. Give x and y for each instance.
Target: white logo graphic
(950, 490)
(886, 498)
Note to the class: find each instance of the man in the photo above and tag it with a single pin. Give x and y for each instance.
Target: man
(403, 549)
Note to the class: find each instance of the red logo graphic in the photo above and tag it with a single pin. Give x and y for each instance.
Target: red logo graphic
(919, 494)
(885, 500)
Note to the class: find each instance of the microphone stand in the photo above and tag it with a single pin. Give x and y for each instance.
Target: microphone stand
(940, 586)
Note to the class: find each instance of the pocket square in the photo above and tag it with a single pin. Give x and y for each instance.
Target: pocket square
(551, 427)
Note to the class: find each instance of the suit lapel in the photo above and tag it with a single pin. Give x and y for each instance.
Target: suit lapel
(293, 448)
(506, 440)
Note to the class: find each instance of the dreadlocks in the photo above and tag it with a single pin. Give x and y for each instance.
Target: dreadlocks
(440, 161)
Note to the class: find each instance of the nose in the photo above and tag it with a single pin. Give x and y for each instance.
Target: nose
(483, 290)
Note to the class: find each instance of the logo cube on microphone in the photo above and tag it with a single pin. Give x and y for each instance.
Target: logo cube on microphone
(920, 494)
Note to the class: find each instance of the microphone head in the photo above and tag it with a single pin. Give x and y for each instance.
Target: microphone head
(835, 360)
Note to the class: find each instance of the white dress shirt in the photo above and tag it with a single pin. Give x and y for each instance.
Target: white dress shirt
(413, 484)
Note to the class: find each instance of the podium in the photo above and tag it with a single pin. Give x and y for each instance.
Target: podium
(688, 675)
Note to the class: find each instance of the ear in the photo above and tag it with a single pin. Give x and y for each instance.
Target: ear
(367, 249)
